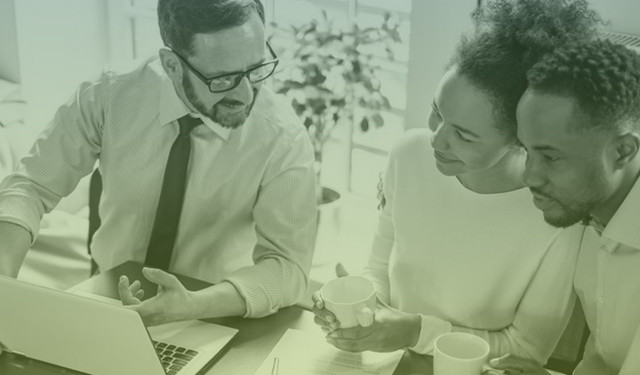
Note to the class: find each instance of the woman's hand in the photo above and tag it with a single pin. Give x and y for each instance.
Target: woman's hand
(391, 330)
(324, 318)
(512, 364)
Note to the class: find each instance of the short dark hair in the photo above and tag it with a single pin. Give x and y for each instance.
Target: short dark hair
(603, 77)
(180, 20)
(510, 37)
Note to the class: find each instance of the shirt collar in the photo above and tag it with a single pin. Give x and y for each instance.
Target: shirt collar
(172, 108)
(624, 226)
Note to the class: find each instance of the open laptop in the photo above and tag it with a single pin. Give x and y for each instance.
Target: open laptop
(99, 337)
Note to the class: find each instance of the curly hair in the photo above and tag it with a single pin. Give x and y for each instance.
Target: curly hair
(510, 37)
(180, 20)
(603, 77)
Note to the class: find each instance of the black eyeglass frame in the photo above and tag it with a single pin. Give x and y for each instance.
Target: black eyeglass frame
(207, 80)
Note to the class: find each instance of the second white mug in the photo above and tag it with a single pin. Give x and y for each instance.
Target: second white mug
(459, 353)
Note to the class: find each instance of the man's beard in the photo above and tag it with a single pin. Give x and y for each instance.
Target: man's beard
(215, 113)
(579, 206)
(571, 213)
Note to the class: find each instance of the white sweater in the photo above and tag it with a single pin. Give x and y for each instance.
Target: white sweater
(469, 262)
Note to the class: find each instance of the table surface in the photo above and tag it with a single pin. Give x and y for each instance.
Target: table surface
(243, 355)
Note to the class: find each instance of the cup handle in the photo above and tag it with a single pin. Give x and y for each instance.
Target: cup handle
(364, 316)
(488, 370)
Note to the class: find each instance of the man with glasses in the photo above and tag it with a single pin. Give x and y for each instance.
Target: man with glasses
(205, 172)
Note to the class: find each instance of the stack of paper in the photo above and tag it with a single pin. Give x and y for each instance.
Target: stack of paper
(304, 353)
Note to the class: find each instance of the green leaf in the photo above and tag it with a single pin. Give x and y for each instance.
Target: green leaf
(308, 122)
(385, 102)
(364, 124)
(318, 106)
(298, 107)
(377, 120)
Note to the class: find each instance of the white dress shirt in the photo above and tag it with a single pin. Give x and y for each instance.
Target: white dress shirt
(478, 263)
(607, 281)
(249, 213)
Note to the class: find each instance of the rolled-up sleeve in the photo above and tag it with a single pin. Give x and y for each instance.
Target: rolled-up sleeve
(285, 215)
(66, 151)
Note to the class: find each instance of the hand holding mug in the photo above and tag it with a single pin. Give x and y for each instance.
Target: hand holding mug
(390, 330)
(355, 320)
(512, 364)
(323, 317)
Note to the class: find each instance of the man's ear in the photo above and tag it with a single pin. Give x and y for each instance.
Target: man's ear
(627, 147)
(171, 64)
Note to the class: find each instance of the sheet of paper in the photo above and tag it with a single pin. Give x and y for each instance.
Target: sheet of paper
(304, 353)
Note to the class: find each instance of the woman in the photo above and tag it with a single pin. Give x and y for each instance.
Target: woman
(460, 245)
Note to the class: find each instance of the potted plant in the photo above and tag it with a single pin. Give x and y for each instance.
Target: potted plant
(330, 76)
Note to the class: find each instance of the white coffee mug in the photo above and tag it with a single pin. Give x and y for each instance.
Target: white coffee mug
(352, 299)
(459, 353)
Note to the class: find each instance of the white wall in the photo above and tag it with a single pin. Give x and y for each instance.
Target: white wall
(436, 27)
(60, 43)
(623, 14)
(9, 68)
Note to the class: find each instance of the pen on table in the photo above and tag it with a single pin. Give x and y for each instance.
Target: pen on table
(276, 366)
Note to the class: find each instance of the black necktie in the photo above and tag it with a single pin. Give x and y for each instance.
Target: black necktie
(165, 226)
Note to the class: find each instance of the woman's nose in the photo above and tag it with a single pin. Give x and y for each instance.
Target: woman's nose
(439, 137)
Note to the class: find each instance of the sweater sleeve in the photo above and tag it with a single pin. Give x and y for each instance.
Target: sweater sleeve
(377, 269)
(542, 314)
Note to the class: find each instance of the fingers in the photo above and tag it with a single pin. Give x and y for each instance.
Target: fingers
(355, 333)
(124, 291)
(365, 317)
(136, 290)
(135, 287)
(325, 320)
(163, 279)
(515, 363)
(323, 317)
(139, 294)
(347, 344)
(341, 271)
(318, 302)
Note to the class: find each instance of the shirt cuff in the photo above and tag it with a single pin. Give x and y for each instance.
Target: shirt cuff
(14, 209)
(431, 327)
(266, 289)
(255, 296)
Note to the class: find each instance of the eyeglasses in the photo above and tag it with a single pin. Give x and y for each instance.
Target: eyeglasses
(229, 81)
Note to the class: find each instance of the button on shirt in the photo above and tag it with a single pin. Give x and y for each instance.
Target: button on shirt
(607, 281)
(249, 210)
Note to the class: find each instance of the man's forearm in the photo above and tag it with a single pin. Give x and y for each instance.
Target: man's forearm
(218, 301)
(14, 243)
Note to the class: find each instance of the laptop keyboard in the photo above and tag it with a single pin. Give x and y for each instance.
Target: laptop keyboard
(173, 357)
